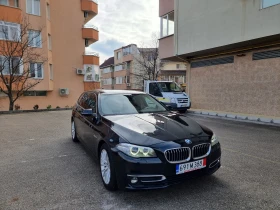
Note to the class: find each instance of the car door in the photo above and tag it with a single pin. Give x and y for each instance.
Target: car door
(79, 116)
(91, 131)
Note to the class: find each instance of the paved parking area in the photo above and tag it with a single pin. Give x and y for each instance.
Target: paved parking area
(41, 168)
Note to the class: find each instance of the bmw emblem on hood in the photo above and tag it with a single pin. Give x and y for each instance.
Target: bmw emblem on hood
(188, 141)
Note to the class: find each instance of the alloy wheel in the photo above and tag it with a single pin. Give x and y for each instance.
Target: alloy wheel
(105, 166)
(73, 131)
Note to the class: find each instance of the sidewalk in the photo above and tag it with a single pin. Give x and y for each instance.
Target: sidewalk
(238, 116)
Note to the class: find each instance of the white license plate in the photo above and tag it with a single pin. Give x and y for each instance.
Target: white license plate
(192, 166)
(184, 105)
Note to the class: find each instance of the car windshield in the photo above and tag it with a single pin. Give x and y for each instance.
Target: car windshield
(121, 104)
(169, 87)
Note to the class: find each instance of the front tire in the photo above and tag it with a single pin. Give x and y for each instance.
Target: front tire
(74, 132)
(107, 168)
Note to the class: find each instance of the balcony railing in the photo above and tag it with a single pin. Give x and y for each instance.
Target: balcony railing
(91, 26)
(92, 53)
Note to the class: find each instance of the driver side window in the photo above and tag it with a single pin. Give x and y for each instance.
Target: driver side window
(88, 101)
(154, 89)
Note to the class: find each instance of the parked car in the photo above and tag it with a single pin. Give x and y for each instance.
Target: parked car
(139, 143)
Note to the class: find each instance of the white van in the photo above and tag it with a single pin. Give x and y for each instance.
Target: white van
(168, 92)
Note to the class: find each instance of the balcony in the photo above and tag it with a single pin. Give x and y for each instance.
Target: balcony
(90, 7)
(165, 6)
(10, 14)
(91, 58)
(90, 33)
(166, 47)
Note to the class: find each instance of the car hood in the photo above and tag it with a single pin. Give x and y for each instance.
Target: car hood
(174, 95)
(150, 129)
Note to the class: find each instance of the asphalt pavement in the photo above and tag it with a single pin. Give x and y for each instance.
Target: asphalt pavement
(41, 168)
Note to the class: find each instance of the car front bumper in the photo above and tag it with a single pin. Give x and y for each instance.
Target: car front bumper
(174, 106)
(155, 173)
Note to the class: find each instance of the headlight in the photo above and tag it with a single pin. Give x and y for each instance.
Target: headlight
(214, 140)
(173, 100)
(136, 151)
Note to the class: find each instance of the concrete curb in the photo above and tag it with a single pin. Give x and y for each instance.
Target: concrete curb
(28, 111)
(249, 118)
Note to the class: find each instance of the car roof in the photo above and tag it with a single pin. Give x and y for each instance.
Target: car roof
(103, 91)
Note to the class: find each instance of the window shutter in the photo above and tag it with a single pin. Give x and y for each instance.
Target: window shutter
(266, 55)
(212, 62)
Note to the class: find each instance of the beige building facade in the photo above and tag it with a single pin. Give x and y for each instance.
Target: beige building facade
(231, 50)
(69, 70)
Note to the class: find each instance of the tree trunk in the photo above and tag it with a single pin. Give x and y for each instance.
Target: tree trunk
(11, 107)
(11, 102)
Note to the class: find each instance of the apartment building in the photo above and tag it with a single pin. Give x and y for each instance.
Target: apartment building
(173, 71)
(231, 49)
(69, 70)
(124, 71)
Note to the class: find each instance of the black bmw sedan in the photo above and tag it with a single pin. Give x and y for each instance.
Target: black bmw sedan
(139, 143)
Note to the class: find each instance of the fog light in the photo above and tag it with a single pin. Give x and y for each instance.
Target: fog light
(134, 180)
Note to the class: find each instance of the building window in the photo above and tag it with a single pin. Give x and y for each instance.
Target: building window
(269, 3)
(51, 71)
(127, 50)
(167, 25)
(106, 70)
(119, 67)
(86, 43)
(9, 31)
(48, 12)
(10, 65)
(119, 55)
(16, 3)
(49, 42)
(119, 80)
(4, 2)
(34, 38)
(35, 93)
(36, 70)
(127, 78)
(177, 66)
(107, 81)
(33, 7)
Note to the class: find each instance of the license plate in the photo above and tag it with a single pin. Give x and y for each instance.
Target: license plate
(184, 105)
(192, 166)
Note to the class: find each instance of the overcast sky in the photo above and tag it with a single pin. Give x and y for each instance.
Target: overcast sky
(123, 22)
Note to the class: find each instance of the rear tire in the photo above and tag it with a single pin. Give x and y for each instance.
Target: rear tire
(183, 111)
(74, 132)
(107, 168)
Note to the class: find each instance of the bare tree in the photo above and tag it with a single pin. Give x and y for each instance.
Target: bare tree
(18, 53)
(148, 59)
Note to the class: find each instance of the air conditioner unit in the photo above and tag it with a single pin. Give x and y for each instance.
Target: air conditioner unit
(63, 91)
(80, 72)
(127, 84)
